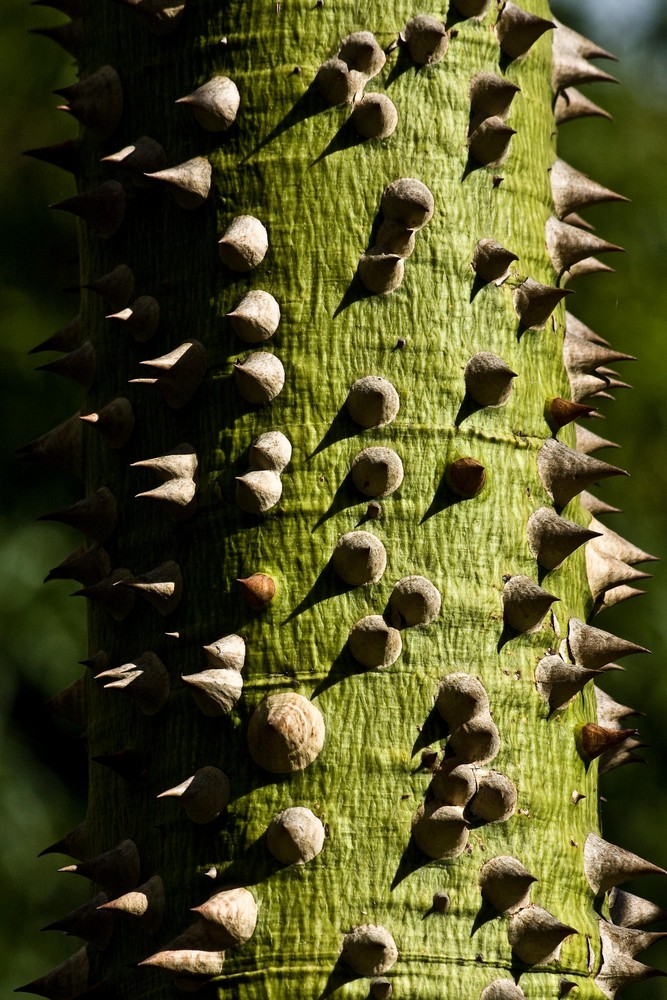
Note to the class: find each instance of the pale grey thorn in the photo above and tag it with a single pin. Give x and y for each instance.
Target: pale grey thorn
(203, 796)
(115, 288)
(609, 711)
(188, 182)
(525, 604)
(86, 922)
(502, 989)
(628, 910)
(256, 317)
(604, 572)
(295, 836)
(595, 506)
(215, 690)
(146, 904)
(377, 472)
(142, 318)
(491, 261)
(372, 401)
(369, 950)
(620, 756)
(115, 422)
(373, 643)
(573, 190)
(286, 733)
(440, 831)
(244, 244)
(229, 916)
(140, 157)
(593, 648)
(559, 682)
(619, 969)
(517, 30)
(359, 558)
(85, 565)
(588, 442)
(259, 378)
(459, 698)
(258, 491)
(535, 935)
(78, 366)
(571, 104)
(215, 104)
(192, 958)
(606, 865)
(271, 450)
(102, 208)
(228, 652)
(117, 870)
(570, 54)
(564, 472)
(567, 245)
(534, 303)
(426, 39)
(96, 101)
(162, 587)
(96, 515)
(489, 143)
(551, 538)
(374, 116)
(118, 601)
(589, 265)
(613, 544)
(488, 379)
(632, 940)
(144, 679)
(180, 373)
(505, 883)
(68, 979)
(414, 601)
(576, 328)
(584, 387)
(495, 799)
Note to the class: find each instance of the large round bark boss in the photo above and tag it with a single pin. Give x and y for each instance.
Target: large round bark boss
(372, 401)
(502, 989)
(459, 698)
(243, 244)
(440, 831)
(495, 798)
(377, 472)
(359, 558)
(285, 733)
(409, 201)
(414, 601)
(426, 39)
(373, 643)
(375, 116)
(295, 836)
(369, 950)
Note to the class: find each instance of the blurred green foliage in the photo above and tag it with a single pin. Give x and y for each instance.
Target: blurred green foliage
(43, 767)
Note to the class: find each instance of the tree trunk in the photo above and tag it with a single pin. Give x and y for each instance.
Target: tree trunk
(478, 462)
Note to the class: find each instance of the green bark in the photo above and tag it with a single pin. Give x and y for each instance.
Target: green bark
(296, 164)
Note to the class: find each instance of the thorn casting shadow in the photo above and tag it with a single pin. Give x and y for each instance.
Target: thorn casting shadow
(471, 166)
(345, 138)
(432, 731)
(342, 667)
(342, 427)
(328, 584)
(402, 64)
(254, 865)
(411, 861)
(485, 914)
(467, 408)
(345, 496)
(442, 499)
(355, 292)
(339, 976)
(477, 285)
(309, 104)
(454, 18)
(506, 636)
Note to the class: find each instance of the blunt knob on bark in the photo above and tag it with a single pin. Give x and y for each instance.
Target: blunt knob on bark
(117, 870)
(146, 904)
(372, 401)
(359, 558)
(628, 910)
(491, 261)
(369, 950)
(373, 643)
(505, 883)
(337, 83)
(295, 836)
(440, 831)
(145, 680)
(375, 116)
(95, 516)
(489, 142)
(536, 935)
(476, 741)
(215, 104)
(466, 477)
(271, 451)
(189, 182)
(409, 202)
(495, 798)
(426, 39)
(96, 101)
(551, 538)
(259, 378)
(377, 471)
(453, 783)
(558, 682)
(502, 989)
(68, 979)
(606, 865)
(362, 53)
(525, 604)
(517, 30)
(534, 303)
(285, 733)
(102, 208)
(459, 698)
(114, 422)
(379, 272)
(244, 244)
(491, 96)
(256, 317)
(257, 492)
(414, 601)
(180, 373)
(564, 472)
(203, 796)
(593, 647)
(230, 917)
(488, 379)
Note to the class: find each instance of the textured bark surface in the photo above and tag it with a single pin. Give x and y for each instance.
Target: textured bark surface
(298, 166)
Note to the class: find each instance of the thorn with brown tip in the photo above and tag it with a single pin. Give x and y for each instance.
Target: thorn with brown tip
(559, 412)
(466, 477)
(592, 740)
(258, 590)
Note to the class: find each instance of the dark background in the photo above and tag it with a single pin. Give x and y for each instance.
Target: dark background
(42, 769)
